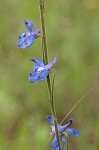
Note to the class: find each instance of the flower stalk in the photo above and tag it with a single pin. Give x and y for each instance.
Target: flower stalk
(66, 140)
(45, 59)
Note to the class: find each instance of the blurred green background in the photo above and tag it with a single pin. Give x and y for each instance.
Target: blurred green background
(73, 34)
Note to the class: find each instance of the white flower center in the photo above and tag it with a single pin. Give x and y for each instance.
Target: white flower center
(52, 130)
(28, 34)
(40, 68)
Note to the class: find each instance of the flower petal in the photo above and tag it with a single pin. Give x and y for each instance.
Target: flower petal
(38, 76)
(23, 36)
(38, 62)
(50, 119)
(36, 33)
(50, 65)
(72, 131)
(28, 25)
(55, 145)
(26, 42)
(39, 65)
(63, 128)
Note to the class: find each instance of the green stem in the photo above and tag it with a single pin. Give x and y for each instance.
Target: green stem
(52, 89)
(45, 59)
(67, 143)
(44, 44)
(53, 107)
(66, 139)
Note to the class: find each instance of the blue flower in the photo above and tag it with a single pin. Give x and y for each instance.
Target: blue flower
(62, 131)
(27, 38)
(40, 71)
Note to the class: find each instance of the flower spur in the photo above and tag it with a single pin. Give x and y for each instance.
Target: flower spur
(40, 71)
(27, 38)
(63, 131)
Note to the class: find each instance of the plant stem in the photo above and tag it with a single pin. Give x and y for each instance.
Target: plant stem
(44, 44)
(45, 59)
(67, 142)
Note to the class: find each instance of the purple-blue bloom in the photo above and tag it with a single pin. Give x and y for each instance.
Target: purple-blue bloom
(62, 131)
(27, 38)
(40, 71)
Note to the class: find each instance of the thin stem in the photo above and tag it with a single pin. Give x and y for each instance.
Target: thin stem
(52, 99)
(67, 143)
(52, 89)
(45, 59)
(46, 142)
(44, 43)
(66, 140)
(81, 99)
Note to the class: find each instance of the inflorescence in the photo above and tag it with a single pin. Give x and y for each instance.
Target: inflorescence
(39, 73)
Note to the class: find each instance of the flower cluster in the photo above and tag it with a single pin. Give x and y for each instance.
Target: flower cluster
(63, 131)
(39, 73)
(27, 38)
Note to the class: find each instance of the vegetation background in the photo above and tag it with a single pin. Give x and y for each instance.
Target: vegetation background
(73, 34)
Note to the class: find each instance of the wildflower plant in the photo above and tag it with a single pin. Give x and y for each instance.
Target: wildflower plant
(41, 70)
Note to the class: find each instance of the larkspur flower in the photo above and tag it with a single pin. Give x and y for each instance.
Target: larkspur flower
(63, 131)
(27, 38)
(40, 71)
